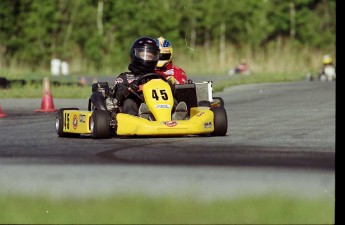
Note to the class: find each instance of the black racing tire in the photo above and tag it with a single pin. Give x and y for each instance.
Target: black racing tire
(220, 121)
(204, 103)
(100, 124)
(59, 123)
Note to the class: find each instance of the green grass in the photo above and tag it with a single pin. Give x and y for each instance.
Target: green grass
(277, 63)
(75, 91)
(138, 209)
(258, 78)
(36, 91)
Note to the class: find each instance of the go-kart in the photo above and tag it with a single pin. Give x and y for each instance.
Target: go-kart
(205, 115)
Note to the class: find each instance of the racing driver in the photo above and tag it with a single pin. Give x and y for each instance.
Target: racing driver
(165, 65)
(144, 56)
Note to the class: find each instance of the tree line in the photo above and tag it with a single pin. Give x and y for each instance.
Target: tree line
(101, 31)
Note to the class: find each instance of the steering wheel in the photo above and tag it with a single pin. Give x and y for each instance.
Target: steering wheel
(150, 76)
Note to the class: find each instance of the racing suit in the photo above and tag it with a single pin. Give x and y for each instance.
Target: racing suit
(174, 71)
(123, 95)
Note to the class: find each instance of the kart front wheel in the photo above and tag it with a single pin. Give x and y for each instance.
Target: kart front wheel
(220, 121)
(100, 124)
(59, 123)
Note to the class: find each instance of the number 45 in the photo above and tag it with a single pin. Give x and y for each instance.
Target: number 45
(163, 94)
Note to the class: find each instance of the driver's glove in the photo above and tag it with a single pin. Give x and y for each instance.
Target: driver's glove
(121, 92)
(134, 85)
(171, 80)
(111, 92)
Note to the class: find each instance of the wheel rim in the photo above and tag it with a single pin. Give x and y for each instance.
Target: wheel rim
(57, 124)
(92, 125)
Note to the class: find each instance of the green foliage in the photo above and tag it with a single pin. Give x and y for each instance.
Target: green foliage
(100, 32)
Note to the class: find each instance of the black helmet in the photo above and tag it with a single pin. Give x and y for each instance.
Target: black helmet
(144, 55)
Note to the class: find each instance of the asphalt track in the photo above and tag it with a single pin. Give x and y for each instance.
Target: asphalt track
(281, 139)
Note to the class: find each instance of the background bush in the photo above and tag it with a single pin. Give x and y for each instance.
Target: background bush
(209, 36)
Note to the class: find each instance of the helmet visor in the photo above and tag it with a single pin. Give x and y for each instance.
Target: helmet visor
(165, 56)
(146, 54)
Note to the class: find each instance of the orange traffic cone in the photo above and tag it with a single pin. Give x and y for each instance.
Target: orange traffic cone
(47, 104)
(2, 114)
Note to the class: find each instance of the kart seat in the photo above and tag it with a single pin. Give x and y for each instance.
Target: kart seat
(186, 93)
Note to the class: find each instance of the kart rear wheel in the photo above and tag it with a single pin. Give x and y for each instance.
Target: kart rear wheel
(220, 121)
(100, 124)
(59, 123)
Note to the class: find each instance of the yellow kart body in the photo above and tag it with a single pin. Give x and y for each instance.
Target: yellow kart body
(158, 97)
(78, 122)
(199, 123)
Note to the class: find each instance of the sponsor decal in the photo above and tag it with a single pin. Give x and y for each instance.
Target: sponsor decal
(162, 106)
(208, 124)
(130, 76)
(170, 123)
(75, 122)
(119, 80)
(82, 118)
(200, 114)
